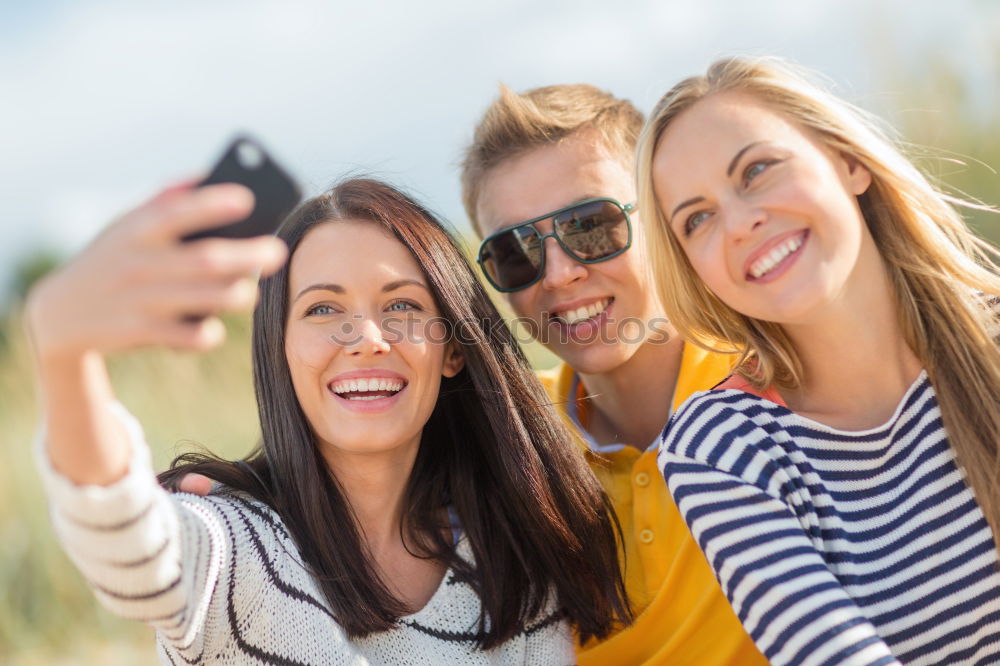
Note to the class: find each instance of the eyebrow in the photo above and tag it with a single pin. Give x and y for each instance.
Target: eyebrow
(729, 172)
(392, 286)
(736, 158)
(321, 286)
(689, 202)
(338, 289)
(575, 201)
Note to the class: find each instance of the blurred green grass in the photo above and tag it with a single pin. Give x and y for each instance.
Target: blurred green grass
(182, 400)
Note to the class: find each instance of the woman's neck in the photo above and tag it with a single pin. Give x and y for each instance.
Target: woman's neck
(374, 484)
(856, 362)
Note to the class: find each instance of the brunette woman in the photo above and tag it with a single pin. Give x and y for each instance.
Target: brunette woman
(413, 498)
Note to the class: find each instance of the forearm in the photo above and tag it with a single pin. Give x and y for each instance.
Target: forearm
(83, 440)
(147, 555)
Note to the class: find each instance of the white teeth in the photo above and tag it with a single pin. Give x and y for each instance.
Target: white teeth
(775, 256)
(368, 384)
(585, 312)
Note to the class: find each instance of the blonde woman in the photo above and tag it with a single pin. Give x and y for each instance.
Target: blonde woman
(844, 483)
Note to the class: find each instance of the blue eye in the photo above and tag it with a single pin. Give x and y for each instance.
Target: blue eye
(694, 221)
(401, 306)
(755, 169)
(320, 309)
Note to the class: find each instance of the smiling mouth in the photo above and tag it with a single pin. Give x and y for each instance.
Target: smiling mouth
(373, 388)
(585, 313)
(776, 257)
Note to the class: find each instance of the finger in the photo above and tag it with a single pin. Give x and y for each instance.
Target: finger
(219, 259)
(196, 484)
(200, 299)
(182, 185)
(190, 335)
(179, 212)
(208, 260)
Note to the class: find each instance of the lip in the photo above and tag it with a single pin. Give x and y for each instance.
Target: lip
(578, 303)
(367, 406)
(588, 327)
(768, 245)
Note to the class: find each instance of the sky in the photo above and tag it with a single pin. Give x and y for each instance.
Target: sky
(103, 103)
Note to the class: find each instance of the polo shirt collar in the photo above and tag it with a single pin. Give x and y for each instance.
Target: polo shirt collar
(573, 412)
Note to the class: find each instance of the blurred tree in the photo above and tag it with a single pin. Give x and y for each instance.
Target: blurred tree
(31, 268)
(948, 113)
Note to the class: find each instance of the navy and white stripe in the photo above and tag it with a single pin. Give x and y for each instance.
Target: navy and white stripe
(838, 547)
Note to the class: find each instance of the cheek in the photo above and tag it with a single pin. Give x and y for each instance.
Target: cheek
(436, 334)
(632, 267)
(426, 361)
(424, 352)
(522, 302)
(845, 216)
(307, 353)
(709, 263)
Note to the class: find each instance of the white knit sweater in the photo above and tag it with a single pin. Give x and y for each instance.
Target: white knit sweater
(221, 581)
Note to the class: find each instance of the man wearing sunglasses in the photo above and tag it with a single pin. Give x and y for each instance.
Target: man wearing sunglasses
(548, 183)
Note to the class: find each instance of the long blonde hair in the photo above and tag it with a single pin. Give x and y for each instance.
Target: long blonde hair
(942, 275)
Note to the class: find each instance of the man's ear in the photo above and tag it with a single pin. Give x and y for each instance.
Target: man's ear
(454, 360)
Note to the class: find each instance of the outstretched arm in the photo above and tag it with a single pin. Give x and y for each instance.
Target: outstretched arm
(135, 285)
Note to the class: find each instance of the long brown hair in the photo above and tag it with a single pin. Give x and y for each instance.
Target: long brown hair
(943, 276)
(494, 449)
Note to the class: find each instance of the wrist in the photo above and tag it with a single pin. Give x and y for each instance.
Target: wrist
(50, 338)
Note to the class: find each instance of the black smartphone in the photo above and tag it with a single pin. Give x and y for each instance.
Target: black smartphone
(275, 192)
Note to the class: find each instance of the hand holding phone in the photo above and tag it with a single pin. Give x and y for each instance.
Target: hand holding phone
(136, 285)
(275, 193)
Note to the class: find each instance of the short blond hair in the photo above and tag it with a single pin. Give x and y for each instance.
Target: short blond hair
(516, 122)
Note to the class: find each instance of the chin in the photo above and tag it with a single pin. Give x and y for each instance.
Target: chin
(596, 359)
(787, 314)
(367, 442)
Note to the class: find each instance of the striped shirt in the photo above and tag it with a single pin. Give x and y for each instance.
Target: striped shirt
(837, 547)
(221, 580)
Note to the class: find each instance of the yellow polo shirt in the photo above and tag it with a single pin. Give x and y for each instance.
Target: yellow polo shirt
(683, 618)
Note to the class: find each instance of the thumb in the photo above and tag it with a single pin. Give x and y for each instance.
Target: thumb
(196, 484)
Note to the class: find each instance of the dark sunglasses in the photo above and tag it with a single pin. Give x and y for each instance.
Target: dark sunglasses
(589, 231)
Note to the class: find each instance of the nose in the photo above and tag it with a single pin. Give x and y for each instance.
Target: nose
(560, 269)
(742, 219)
(367, 340)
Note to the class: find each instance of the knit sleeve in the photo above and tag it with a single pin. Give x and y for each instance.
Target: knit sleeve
(753, 520)
(148, 555)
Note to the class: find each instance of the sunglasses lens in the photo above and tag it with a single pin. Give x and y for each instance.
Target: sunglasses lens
(594, 230)
(512, 259)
